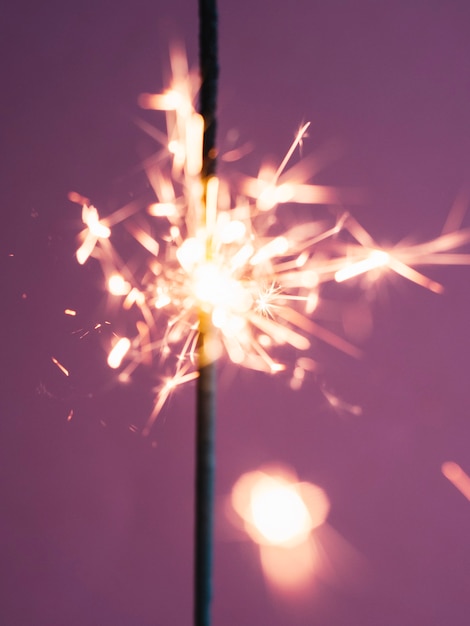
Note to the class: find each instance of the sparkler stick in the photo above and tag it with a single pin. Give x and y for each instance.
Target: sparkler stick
(206, 382)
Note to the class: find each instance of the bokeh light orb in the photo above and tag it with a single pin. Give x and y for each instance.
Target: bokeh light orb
(276, 508)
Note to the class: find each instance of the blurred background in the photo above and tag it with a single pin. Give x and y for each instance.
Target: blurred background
(96, 521)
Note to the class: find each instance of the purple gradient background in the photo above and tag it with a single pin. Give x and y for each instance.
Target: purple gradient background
(96, 524)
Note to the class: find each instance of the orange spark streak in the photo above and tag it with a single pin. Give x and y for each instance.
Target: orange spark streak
(456, 475)
(118, 352)
(63, 369)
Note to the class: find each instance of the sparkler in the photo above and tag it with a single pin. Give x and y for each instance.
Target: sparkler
(226, 270)
(258, 286)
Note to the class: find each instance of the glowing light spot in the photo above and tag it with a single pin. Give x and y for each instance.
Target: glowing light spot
(175, 147)
(231, 325)
(118, 352)
(91, 218)
(134, 297)
(278, 512)
(215, 287)
(242, 256)
(376, 259)
(309, 279)
(70, 312)
(117, 286)
(311, 302)
(190, 253)
(194, 134)
(233, 231)
(276, 508)
(265, 340)
(162, 209)
(273, 195)
(456, 475)
(276, 247)
(96, 230)
(341, 405)
(175, 233)
(169, 101)
(297, 379)
(163, 298)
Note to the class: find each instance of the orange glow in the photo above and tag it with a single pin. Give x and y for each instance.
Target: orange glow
(287, 520)
(168, 101)
(117, 286)
(279, 514)
(290, 570)
(456, 475)
(276, 508)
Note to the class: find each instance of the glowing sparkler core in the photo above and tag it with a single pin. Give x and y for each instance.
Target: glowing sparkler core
(224, 254)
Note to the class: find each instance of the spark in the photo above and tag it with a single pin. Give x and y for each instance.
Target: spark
(367, 257)
(456, 475)
(118, 352)
(239, 254)
(94, 232)
(63, 369)
(341, 405)
(375, 259)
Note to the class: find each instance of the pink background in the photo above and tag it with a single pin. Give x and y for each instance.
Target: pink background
(96, 524)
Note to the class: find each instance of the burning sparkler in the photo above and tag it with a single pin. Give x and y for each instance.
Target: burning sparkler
(227, 256)
(219, 263)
